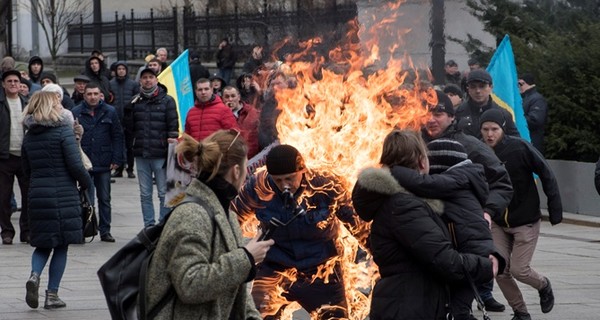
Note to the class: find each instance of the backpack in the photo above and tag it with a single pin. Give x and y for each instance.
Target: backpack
(123, 276)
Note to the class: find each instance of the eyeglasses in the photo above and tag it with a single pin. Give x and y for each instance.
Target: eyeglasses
(237, 134)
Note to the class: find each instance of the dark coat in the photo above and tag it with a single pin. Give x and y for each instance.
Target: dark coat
(536, 114)
(152, 120)
(597, 176)
(102, 139)
(99, 78)
(522, 160)
(226, 57)
(197, 71)
(498, 180)
(5, 122)
(464, 191)
(210, 281)
(412, 249)
(123, 89)
(468, 114)
(309, 240)
(52, 163)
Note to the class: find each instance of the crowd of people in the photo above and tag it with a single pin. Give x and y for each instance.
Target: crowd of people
(451, 207)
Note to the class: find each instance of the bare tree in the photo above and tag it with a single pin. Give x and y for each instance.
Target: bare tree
(54, 17)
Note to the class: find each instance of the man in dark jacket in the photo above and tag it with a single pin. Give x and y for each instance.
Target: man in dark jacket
(308, 214)
(479, 99)
(535, 109)
(152, 118)
(516, 231)
(35, 68)
(102, 142)
(442, 124)
(79, 83)
(225, 60)
(197, 70)
(93, 70)
(124, 89)
(11, 140)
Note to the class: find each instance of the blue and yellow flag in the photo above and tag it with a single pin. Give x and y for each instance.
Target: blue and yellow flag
(176, 77)
(506, 93)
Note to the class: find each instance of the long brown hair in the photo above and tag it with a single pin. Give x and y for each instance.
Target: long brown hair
(215, 154)
(403, 148)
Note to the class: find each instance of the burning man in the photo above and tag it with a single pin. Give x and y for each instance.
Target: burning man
(409, 241)
(297, 207)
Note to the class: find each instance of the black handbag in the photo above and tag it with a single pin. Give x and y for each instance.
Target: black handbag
(88, 217)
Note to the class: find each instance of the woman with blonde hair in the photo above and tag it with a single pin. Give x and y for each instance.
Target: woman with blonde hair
(52, 164)
(201, 254)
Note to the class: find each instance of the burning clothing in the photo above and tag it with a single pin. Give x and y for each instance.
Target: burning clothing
(412, 248)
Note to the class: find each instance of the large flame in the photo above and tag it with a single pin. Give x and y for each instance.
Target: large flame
(337, 115)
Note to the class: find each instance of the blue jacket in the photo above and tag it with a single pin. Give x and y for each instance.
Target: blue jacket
(52, 164)
(102, 138)
(309, 240)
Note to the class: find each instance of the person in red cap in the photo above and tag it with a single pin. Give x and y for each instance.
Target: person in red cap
(307, 206)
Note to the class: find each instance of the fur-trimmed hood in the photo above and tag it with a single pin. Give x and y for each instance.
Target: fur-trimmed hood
(66, 119)
(374, 186)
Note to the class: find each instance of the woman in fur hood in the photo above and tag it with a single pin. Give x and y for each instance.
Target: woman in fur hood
(52, 164)
(409, 241)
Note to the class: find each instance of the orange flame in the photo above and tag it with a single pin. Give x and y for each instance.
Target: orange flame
(337, 117)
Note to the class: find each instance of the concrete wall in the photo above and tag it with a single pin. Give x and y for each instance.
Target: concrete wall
(576, 183)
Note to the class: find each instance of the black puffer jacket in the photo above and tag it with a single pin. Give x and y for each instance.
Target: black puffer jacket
(464, 191)
(412, 249)
(522, 160)
(123, 89)
(152, 120)
(498, 180)
(52, 164)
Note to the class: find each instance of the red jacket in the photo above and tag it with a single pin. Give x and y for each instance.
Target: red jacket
(248, 122)
(207, 117)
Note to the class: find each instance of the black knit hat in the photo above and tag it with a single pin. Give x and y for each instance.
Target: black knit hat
(454, 89)
(493, 115)
(445, 153)
(284, 159)
(48, 75)
(444, 104)
(528, 78)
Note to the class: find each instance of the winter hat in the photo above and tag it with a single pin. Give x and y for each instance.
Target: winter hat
(453, 89)
(479, 75)
(528, 78)
(444, 104)
(52, 87)
(445, 153)
(48, 75)
(284, 159)
(493, 115)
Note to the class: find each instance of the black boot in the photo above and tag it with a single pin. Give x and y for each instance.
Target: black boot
(53, 301)
(33, 285)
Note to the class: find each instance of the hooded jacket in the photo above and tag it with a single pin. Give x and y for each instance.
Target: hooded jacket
(123, 89)
(35, 78)
(99, 78)
(412, 249)
(52, 163)
(205, 118)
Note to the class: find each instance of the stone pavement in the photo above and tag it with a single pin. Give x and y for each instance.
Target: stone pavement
(569, 254)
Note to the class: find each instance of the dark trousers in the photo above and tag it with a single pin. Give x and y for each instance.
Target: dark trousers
(128, 152)
(329, 297)
(9, 168)
(461, 300)
(101, 188)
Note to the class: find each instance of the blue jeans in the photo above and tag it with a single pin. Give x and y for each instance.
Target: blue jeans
(145, 168)
(101, 188)
(57, 264)
(226, 74)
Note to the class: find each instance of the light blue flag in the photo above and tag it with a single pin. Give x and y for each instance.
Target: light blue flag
(506, 93)
(176, 77)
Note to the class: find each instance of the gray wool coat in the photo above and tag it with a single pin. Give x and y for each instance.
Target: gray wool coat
(209, 282)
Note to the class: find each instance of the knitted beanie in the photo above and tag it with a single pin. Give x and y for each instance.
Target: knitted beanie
(284, 159)
(493, 115)
(445, 153)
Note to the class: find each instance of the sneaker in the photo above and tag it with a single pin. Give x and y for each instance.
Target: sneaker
(521, 316)
(546, 297)
(494, 306)
(107, 238)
